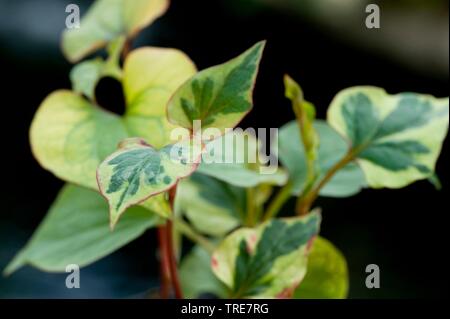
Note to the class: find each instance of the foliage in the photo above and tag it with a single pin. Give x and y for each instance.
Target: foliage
(155, 167)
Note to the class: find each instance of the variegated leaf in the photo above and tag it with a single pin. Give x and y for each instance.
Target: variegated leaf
(396, 138)
(138, 171)
(70, 136)
(267, 261)
(219, 96)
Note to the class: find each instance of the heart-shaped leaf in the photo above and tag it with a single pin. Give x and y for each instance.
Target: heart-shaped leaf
(151, 76)
(327, 275)
(70, 136)
(267, 261)
(332, 147)
(108, 20)
(236, 158)
(75, 231)
(396, 138)
(219, 96)
(138, 171)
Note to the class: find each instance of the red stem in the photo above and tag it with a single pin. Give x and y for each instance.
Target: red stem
(171, 251)
(163, 262)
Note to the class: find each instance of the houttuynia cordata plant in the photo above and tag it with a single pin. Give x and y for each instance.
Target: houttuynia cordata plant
(166, 164)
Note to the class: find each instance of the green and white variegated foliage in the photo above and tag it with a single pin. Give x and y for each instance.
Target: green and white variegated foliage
(267, 261)
(395, 138)
(70, 135)
(108, 20)
(137, 171)
(219, 96)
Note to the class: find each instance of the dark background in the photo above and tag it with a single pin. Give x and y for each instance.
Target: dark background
(403, 231)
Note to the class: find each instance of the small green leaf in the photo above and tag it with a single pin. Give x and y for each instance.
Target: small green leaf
(75, 231)
(108, 20)
(236, 159)
(219, 96)
(212, 206)
(306, 114)
(332, 147)
(138, 171)
(196, 275)
(396, 138)
(327, 275)
(268, 261)
(85, 75)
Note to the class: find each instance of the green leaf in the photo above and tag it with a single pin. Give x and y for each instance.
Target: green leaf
(75, 231)
(70, 136)
(151, 76)
(236, 159)
(332, 147)
(196, 275)
(396, 138)
(85, 75)
(108, 20)
(212, 206)
(267, 261)
(327, 275)
(219, 96)
(138, 171)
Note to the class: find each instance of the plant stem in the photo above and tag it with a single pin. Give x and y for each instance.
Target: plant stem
(304, 204)
(278, 201)
(173, 262)
(163, 262)
(170, 249)
(190, 233)
(126, 48)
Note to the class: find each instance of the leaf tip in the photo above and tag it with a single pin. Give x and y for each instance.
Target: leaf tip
(292, 88)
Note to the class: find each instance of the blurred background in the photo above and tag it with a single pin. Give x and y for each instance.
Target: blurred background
(324, 45)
